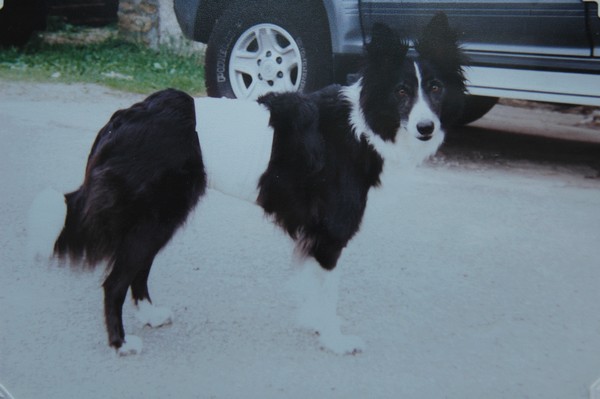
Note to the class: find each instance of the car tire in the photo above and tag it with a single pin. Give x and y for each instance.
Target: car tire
(261, 46)
(475, 107)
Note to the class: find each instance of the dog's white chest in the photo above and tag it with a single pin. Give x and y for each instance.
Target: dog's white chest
(236, 139)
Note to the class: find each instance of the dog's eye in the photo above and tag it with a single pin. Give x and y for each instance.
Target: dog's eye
(402, 91)
(435, 87)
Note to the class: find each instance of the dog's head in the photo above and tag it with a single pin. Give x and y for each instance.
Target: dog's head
(405, 100)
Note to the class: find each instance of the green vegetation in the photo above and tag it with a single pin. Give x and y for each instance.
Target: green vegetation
(113, 63)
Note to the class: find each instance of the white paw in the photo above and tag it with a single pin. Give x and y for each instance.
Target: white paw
(153, 316)
(131, 346)
(341, 344)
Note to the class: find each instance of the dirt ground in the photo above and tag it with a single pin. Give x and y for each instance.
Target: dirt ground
(474, 276)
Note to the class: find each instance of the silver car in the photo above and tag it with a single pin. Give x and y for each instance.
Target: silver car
(535, 50)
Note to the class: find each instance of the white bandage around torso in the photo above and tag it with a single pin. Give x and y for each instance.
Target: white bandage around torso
(236, 139)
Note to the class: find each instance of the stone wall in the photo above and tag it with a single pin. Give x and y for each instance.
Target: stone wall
(139, 21)
(152, 22)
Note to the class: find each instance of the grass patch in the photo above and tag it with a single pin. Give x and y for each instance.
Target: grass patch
(113, 63)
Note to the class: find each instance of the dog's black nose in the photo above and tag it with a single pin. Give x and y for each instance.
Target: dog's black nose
(426, 128)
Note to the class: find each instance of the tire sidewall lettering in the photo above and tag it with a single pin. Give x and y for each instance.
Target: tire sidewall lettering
(304, 75)
(223, 57)
(222, 66)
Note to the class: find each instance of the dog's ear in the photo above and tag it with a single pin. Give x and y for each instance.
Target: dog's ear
(439, 43)
(385, 46)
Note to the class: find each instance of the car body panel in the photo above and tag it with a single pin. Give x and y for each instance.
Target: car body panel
(549, 27)
(593, 24)
(186, 12)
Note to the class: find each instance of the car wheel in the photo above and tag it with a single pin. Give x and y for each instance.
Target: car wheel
(476, 107)
(259, 47)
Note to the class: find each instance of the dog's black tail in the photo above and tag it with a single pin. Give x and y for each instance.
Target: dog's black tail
(81, 237)
(70, 218)
(78, 226)
(71, 240)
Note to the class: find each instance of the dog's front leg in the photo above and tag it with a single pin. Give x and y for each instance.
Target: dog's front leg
(317, 290)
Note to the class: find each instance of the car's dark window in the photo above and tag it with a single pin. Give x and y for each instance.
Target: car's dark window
(548, 27)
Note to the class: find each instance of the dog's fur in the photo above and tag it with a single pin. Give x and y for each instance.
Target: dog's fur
(145, 172)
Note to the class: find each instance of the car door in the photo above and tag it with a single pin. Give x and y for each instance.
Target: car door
(494, 31)
(593, 23)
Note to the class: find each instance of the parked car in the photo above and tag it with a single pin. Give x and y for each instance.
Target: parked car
(19, 19)
(528, 49)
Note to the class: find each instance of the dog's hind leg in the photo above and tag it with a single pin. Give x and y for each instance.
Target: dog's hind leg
(317, 289)
(139, 286)
(115, 290)
(131, 267)
(147, 313)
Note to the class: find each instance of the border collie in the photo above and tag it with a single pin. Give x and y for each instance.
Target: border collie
(309, 160)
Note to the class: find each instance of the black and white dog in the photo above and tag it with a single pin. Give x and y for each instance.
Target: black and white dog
(309, 160)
